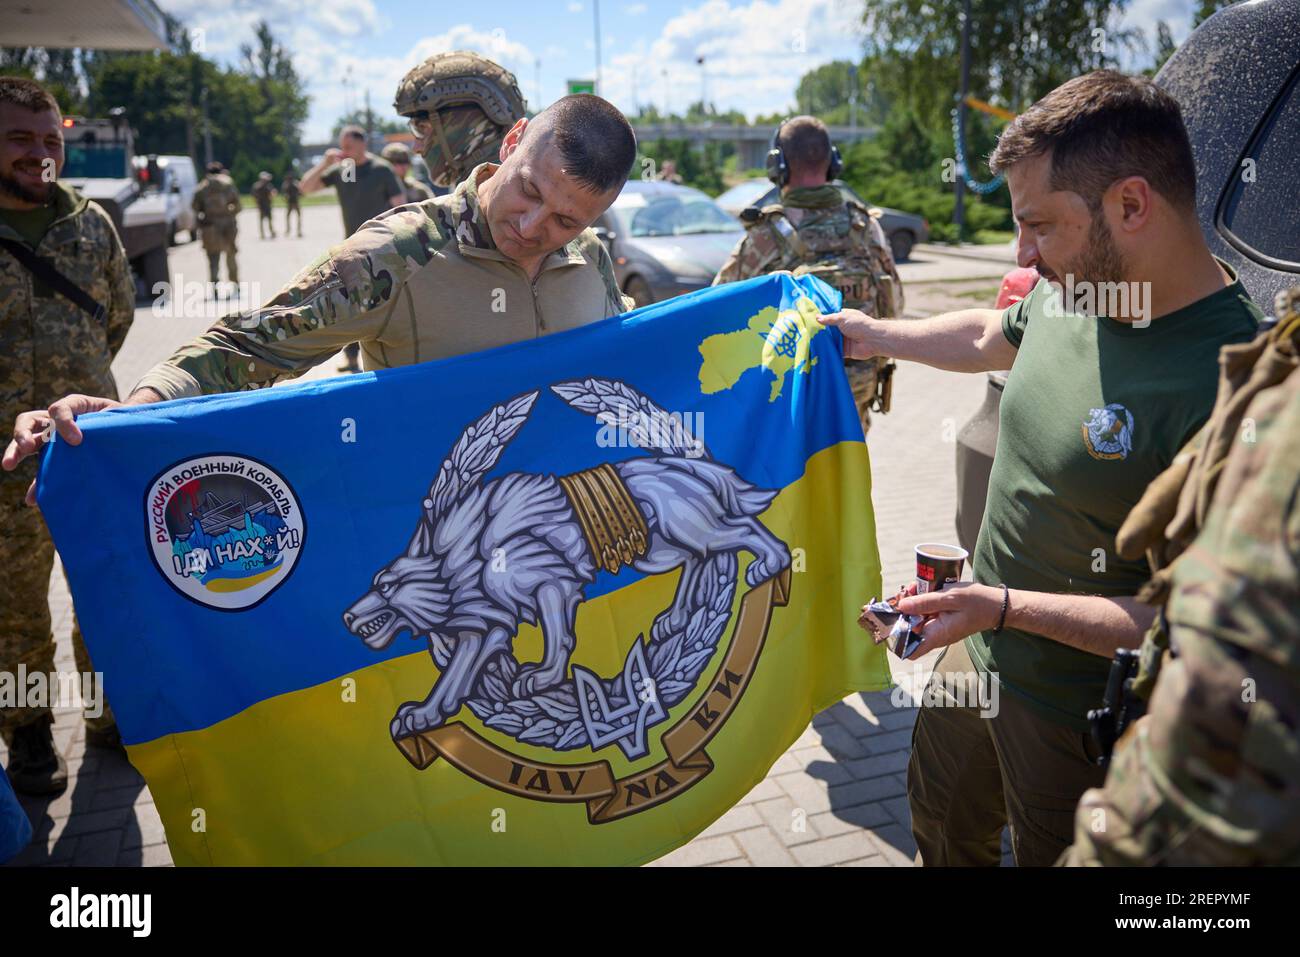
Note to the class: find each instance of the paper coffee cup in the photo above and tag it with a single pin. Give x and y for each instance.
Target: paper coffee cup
(937, 564)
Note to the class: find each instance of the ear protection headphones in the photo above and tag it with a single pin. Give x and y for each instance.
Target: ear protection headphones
(778, 170)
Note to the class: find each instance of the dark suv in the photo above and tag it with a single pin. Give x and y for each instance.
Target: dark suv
(1237, 79)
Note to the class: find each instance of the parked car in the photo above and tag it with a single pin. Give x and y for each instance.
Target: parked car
(665, 239)
(903, 230)
(173, 179)
(1238, 120)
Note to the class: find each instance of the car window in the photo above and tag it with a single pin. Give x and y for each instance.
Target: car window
(674, 216)
(744, 194)
(1262, 205)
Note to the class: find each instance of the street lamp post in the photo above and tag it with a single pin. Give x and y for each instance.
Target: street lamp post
(595, 10)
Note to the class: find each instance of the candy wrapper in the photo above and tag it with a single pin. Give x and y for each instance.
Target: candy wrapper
(887, 623)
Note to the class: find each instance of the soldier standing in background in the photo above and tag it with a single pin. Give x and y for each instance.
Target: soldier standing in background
(67, 300)
(366, 186)
(400, 157)
(289, 189)
(1211, 774)
(817, 230)
(216, 204)
(263, 192)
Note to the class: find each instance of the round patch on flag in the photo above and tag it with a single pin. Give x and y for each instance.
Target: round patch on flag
(224, 530)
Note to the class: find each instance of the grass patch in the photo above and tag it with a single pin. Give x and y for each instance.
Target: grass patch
(324, 198)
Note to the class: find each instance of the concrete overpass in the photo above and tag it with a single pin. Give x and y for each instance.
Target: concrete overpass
(750, 142)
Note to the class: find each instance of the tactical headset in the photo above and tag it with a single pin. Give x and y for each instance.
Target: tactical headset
(778, 170)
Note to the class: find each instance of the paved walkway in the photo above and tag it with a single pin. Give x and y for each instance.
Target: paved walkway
(836, 797)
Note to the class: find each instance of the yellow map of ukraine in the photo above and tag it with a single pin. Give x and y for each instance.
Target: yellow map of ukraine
(786, 337)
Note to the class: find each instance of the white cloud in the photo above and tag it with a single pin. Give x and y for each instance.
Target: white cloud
(1144, 14)
(754, 54)
(348, 18)
(326, 66)
(231, 23)
(755, 51)
(635, 9)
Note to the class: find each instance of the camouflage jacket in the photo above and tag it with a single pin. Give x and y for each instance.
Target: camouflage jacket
(216, 198)
(1211, 774)
(418, 282)
(262, 192)
(49, 346)
(816, 230)
(290, 190)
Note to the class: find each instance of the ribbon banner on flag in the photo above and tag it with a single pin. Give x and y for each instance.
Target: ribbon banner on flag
(563, 602)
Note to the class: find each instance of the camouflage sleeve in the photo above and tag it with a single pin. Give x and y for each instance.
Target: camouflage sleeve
(345, 296)
(1211, 775)
(756, 254)
(730, 271)
(121, 305)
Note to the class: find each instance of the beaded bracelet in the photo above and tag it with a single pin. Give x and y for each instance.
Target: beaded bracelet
(1006, 601)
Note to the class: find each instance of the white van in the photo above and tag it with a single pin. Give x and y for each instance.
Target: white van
(172, 179)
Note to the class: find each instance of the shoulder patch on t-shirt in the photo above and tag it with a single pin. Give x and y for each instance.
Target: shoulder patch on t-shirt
(1108, 432)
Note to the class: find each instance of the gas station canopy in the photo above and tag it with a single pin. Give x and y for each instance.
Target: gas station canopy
(101, 25)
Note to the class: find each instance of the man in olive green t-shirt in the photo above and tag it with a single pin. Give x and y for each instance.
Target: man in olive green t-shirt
(1114, 365)
(366, 186)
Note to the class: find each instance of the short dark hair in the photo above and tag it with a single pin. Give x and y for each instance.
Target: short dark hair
(594, 138)
(356, 132)
(21, 91)
(806, 143)
(1102, 127)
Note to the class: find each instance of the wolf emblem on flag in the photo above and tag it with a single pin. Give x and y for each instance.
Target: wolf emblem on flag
(549, 536)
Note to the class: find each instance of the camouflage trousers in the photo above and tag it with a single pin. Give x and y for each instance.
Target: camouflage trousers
(1210, 776)
(291, 210)
(218, 238)
(26, 633)
(862, 375)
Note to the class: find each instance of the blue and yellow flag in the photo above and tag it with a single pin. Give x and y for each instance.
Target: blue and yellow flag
(563, 602)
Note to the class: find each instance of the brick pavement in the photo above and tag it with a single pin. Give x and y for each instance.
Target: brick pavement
(836, 797)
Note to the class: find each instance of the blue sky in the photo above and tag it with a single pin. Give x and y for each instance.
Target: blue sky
(754, 50)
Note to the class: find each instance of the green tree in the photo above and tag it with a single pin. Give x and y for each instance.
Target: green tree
(378, 124)
(1165, 47)
(1208, 8)
(1019, 51)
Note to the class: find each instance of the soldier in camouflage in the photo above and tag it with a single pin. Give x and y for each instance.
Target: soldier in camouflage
(49, 346)
(263, 192)
(817, 230)
(460, 107)
(400, 158)
(290, 190)
(507, 256)
(216, 204)
(1211, 774)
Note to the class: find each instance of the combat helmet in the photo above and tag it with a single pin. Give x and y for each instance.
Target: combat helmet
(461, 105)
